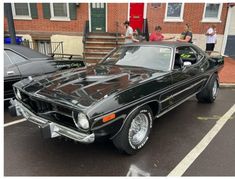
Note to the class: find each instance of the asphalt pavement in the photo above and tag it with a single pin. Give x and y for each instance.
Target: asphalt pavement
(173, 136)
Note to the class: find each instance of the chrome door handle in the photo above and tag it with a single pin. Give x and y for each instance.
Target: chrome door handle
(10, 72)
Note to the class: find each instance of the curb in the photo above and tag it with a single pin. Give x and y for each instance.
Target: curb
(227, 85)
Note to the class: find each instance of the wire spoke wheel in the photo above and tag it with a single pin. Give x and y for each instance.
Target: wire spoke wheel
(135, 131)
(138, 129)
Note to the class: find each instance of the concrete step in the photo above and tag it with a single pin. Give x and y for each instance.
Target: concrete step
(103, 43)
(88, 50)
(104, 40)
(103, 34)
(104, 37)
(94, 47)
(95, 54)
(113, 45)
(98, 53)
(93, 59)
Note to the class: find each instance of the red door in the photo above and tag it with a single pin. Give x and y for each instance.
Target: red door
(136, 15)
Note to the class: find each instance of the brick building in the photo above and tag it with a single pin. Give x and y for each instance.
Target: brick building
(56, 22)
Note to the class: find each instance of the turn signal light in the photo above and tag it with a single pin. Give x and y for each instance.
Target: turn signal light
(109, 117)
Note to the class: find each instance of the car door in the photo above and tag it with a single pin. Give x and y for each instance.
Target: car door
(26, 67)
(187, 75)
(11, 75)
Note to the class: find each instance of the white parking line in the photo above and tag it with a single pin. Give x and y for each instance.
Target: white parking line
(14, 122)
(198, 149)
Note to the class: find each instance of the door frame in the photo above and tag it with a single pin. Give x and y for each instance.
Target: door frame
(226, 31)
(106, 16)
(144, 13)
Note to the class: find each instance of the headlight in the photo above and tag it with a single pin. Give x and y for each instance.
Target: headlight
(18, 95)
(82, 121)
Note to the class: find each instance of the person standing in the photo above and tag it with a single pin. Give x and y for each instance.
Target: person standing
(158, 36)
(137, 36)
(210, 39)
(129, 32)
(186, 35)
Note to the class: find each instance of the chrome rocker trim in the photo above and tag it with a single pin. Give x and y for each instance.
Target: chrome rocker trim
(55, 129)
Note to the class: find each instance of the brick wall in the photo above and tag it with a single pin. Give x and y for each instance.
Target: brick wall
(46, 25)
(193, 14)
(117, 12)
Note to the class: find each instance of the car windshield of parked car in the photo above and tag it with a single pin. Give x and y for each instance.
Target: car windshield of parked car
(152, 57)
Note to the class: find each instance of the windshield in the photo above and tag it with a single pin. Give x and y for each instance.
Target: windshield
(153, 57)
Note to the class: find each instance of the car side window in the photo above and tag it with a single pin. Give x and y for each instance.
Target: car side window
(7, 60)
(15, 58)
(198, 54)
(184, 54)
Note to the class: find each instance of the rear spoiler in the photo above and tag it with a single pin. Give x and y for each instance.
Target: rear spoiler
(67, 56)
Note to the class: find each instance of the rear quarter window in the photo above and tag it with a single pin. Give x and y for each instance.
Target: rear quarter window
(7, 61)
(15, 58)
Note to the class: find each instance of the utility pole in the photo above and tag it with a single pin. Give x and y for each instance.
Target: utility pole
(11, 27)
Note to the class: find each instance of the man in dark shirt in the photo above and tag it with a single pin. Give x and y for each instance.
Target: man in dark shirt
(187, 35)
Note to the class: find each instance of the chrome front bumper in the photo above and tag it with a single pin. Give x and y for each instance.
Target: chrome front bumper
(54, 128)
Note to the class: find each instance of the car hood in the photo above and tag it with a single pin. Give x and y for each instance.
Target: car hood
(85, 86)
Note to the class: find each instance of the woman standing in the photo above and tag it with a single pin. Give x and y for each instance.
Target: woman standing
(210, 39)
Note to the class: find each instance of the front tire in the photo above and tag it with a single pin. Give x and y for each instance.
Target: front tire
(209, 93)
(135, 131)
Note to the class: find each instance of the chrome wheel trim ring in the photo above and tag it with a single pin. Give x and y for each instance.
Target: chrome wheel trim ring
(214, 89)
(138, 130)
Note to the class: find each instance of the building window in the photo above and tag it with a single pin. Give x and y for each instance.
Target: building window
(43, 46)
(174, 12)
(60, 11)
(21, 11)
(212, 12)
(97, 5)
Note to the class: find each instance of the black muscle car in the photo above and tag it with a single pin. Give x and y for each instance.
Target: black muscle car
(120, 97)
(21, 62)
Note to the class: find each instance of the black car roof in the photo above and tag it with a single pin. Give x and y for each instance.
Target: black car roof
(161, 43)
(26, 52)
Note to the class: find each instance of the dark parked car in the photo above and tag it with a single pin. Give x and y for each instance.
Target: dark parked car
(21, 62)
(120, 97)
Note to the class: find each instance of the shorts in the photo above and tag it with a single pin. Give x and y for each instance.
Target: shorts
(210, 47)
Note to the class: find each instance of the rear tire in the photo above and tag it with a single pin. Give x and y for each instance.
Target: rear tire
(209, 93)
(135, 131)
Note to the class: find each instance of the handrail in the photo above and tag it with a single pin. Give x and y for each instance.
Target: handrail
(146, 30)
(116, 34)
(46, 47)
(85, 34)
(59, 44)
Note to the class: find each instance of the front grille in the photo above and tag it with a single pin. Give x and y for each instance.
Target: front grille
(36, 105)
(54, 113)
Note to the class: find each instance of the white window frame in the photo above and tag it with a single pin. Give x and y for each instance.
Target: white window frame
(57, 18)
(212, 19)
(174, 19)
(29, 17)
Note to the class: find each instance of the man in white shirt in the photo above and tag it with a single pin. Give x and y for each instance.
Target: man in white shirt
(129, 32)
(211, 39)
